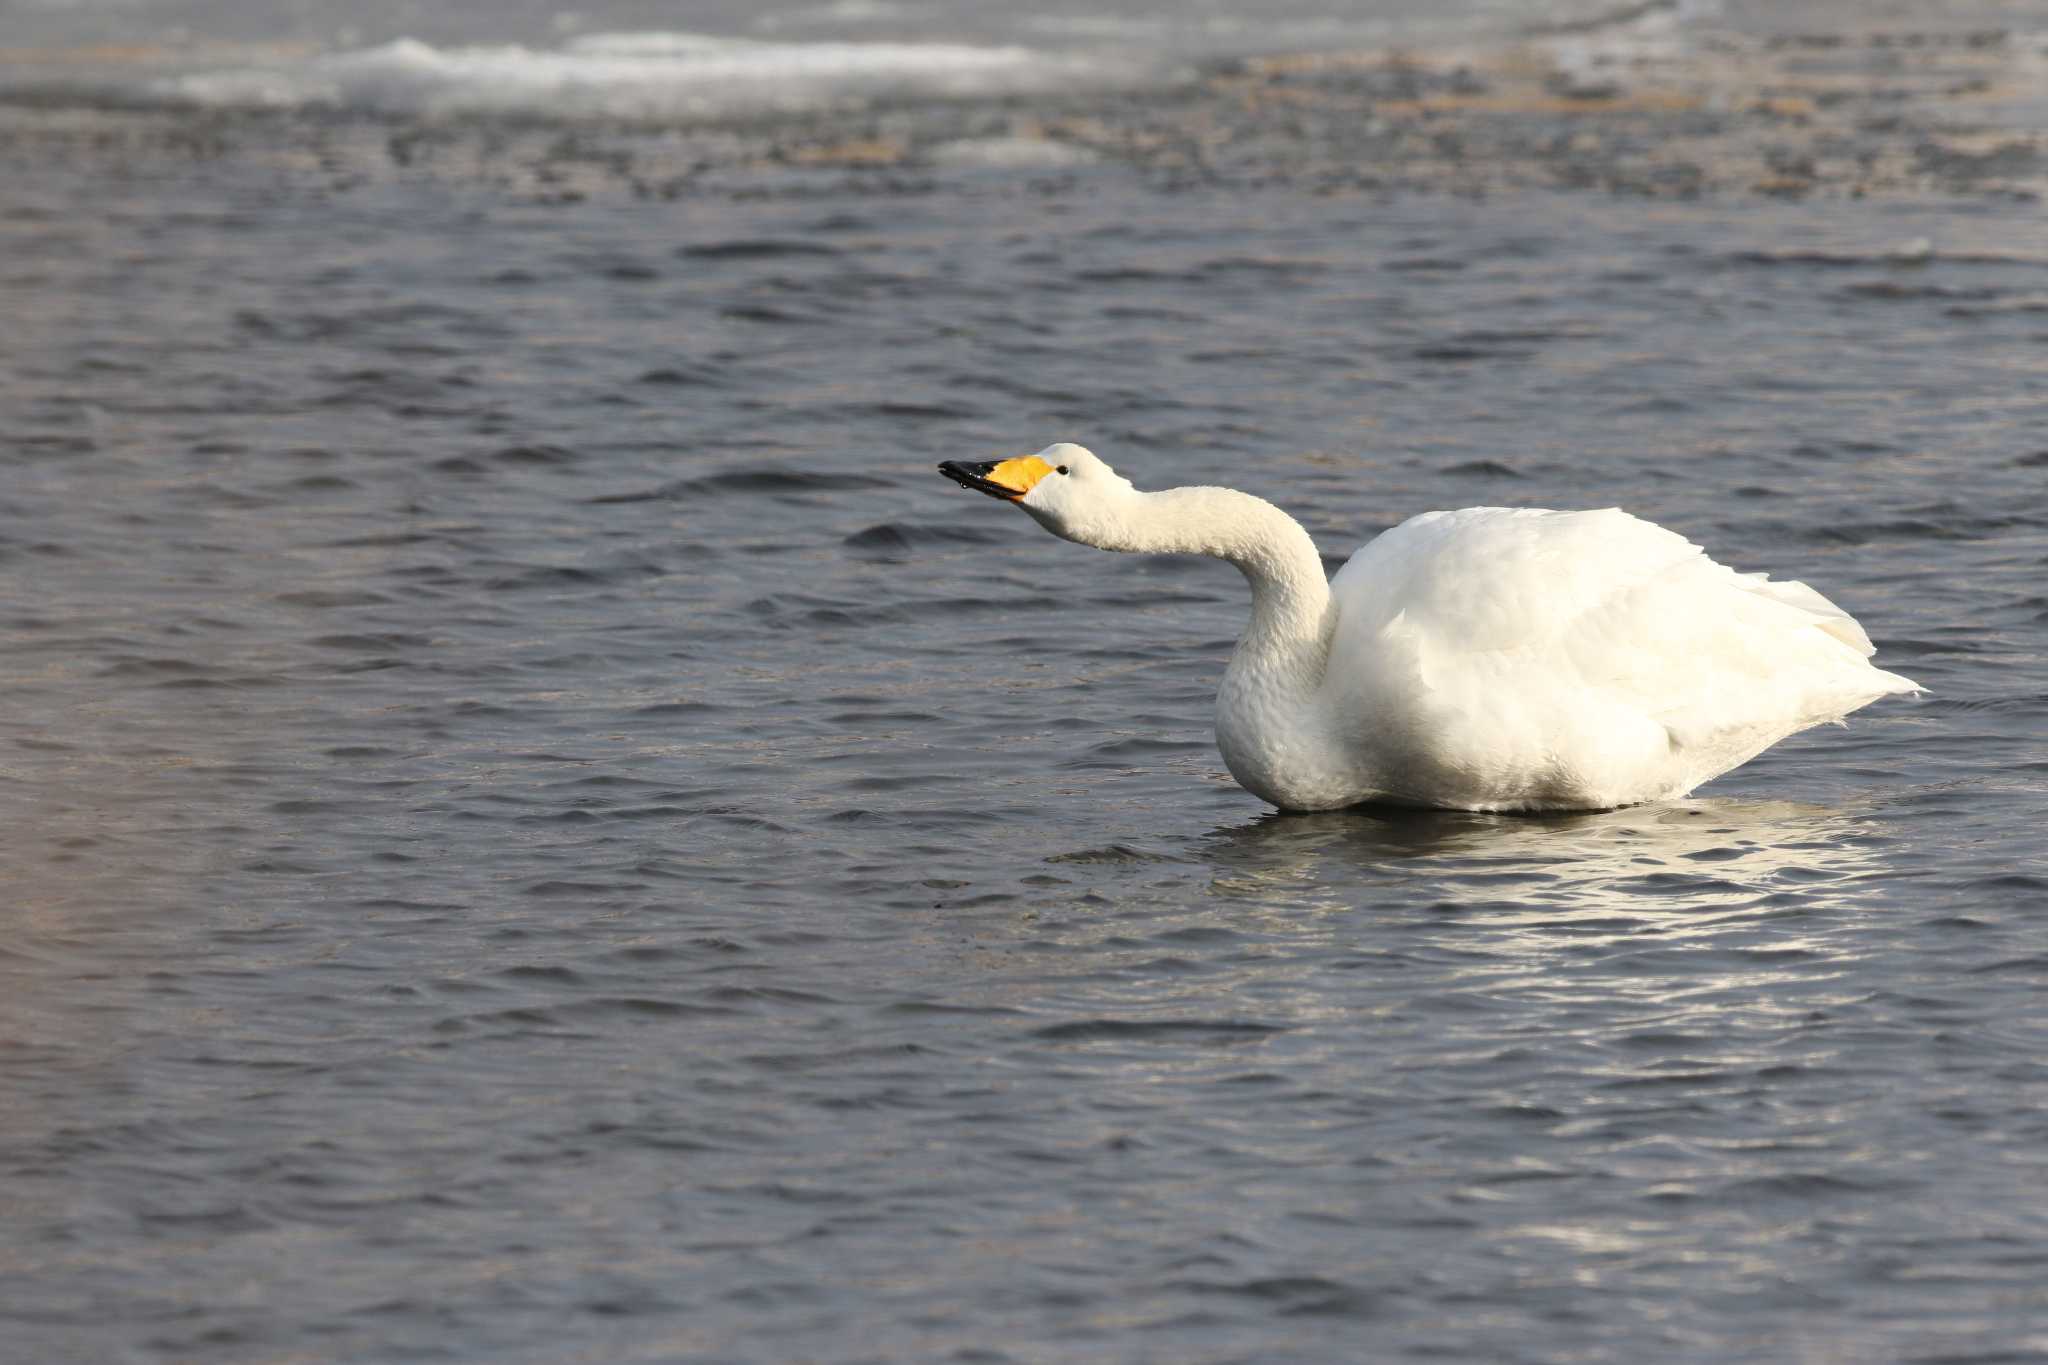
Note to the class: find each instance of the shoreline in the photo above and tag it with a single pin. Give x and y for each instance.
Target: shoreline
(1884, 113)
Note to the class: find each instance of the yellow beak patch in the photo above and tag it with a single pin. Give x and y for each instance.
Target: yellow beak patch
(1021, 474)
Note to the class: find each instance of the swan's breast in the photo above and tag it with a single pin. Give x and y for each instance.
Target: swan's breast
(1283, 747)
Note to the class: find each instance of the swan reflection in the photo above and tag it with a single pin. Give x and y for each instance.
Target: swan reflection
(1685, 857)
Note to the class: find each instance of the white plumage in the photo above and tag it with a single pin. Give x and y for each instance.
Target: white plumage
(1483, 659)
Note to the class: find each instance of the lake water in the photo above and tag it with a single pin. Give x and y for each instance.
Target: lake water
(538, 827)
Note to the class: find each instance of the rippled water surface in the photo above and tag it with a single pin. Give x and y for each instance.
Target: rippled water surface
(538, 827)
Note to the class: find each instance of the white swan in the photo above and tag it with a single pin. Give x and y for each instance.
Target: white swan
(1487, 659)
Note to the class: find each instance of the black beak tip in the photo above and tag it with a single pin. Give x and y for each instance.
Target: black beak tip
(974, 474)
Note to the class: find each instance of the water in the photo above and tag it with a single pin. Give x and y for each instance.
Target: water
(538, 827)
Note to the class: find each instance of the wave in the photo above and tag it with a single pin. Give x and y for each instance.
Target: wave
(642, 76)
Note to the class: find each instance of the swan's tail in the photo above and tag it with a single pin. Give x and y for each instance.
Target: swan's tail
(1842, 626)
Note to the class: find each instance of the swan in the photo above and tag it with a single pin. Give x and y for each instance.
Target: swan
(1487, 659)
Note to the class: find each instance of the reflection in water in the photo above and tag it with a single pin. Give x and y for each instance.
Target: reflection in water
(1694, 856)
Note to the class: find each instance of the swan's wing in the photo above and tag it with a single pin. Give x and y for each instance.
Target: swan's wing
(1486, 578)
(1537, 634)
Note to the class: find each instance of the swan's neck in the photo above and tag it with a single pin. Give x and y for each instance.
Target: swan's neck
(1286, 647)
(1270, 722)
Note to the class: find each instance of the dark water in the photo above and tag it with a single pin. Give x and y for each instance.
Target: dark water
(538, 828)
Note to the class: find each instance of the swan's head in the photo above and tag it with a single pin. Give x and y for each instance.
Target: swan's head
(1065, 488)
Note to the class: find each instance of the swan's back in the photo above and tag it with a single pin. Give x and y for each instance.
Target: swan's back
(1517, 659)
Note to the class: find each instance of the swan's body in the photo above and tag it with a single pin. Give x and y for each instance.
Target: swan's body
(1483, 659)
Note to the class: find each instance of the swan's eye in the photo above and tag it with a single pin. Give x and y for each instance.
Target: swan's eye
(1061, 470)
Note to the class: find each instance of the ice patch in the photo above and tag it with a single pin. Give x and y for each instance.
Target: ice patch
(836, 12)
(654, 76)
(1011, 153)
(1633, 34)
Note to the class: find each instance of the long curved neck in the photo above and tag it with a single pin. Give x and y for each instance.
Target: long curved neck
(1288, 641)
(1271, 722)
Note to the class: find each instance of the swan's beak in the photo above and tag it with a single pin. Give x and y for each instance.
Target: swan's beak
(1005, 479)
